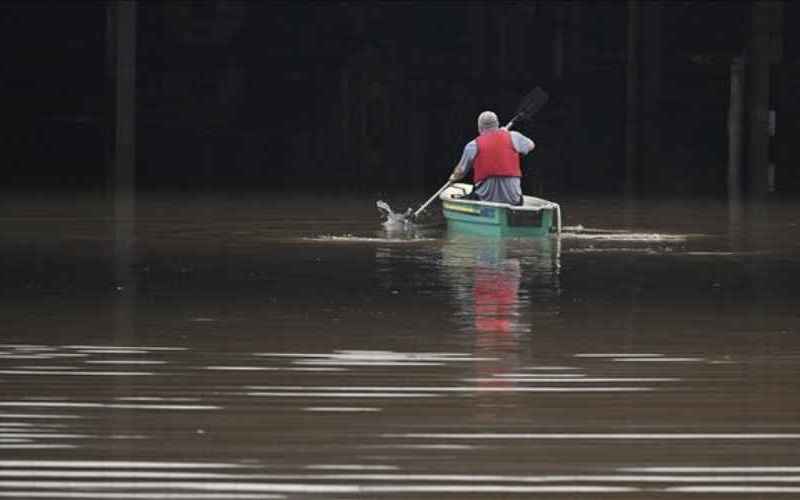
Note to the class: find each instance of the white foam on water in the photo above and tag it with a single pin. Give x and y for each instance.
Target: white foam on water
(649, 251)
(36, 446)
(397, 477)
(50, 404)
(290, 355)
(29, 427)
(124, 348)
(26, 347)
(434, 446)
(42, 416)
(155, 398)
(315, 488)
(43, 367)
(377, 356)
(734, 469)
(314, 369)
(624, 236)
(616, 355)
(124, 362)
(27, 356)
(59, 355)
(332, 391)
(115, 474)
(659, 360)
(344, 362)
(119, 464)
(733, 489)
(170, 407)
(340, 409)
(45, 435)
(350, 467)
(381, 358)
(75, 372)
(93, 495)
(69, 404)
(113, 351)
(585, 380)
(241, 368)
(598, 436)
(348, 394)
(349, 238)
(550, 368)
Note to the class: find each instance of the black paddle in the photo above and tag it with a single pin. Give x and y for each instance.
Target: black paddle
(530, 105)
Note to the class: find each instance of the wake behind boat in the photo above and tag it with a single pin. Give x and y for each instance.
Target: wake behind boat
(536, 217)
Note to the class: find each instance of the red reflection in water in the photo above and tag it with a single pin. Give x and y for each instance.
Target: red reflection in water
(495, 293)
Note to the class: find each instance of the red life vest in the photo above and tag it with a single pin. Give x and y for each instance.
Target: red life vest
(496, 156)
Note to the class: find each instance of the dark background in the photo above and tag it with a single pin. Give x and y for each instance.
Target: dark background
(359, 96)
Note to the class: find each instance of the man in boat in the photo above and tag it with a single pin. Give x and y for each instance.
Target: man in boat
(493, 157)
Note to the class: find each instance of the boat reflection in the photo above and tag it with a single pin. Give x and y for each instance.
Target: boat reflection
(500, 284)
(505, 289)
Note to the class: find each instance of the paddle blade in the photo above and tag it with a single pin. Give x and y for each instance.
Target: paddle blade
(532, 103)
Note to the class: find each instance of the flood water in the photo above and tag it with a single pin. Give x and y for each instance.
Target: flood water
(292, 347)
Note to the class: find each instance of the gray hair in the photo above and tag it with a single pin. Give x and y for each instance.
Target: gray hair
(487, 121)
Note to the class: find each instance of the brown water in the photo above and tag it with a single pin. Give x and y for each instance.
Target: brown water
(293, 348)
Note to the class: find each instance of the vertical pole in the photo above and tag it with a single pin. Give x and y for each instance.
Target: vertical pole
(123, 39)
(651, 173)
(576, 139)
(632, 137)
(559, 147)
(125, 95)
(122, 58)
(735, 129)
(758, 106)
(776, 99)
(632, 101)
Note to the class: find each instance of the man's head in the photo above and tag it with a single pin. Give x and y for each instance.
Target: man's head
(487, 121)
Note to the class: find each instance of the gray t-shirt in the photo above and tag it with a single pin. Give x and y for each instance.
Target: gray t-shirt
(499, 189)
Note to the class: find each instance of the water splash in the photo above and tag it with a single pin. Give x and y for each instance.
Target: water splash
(580, 232)
(394, 220)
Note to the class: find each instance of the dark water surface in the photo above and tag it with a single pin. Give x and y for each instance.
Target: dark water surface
(262, 347)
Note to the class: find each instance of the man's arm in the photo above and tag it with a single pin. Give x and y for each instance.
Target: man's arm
(465, 163)
(523, 145)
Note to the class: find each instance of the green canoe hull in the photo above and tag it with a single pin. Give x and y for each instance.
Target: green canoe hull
(536, 218)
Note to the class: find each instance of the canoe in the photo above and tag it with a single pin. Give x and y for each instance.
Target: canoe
(536, 217)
